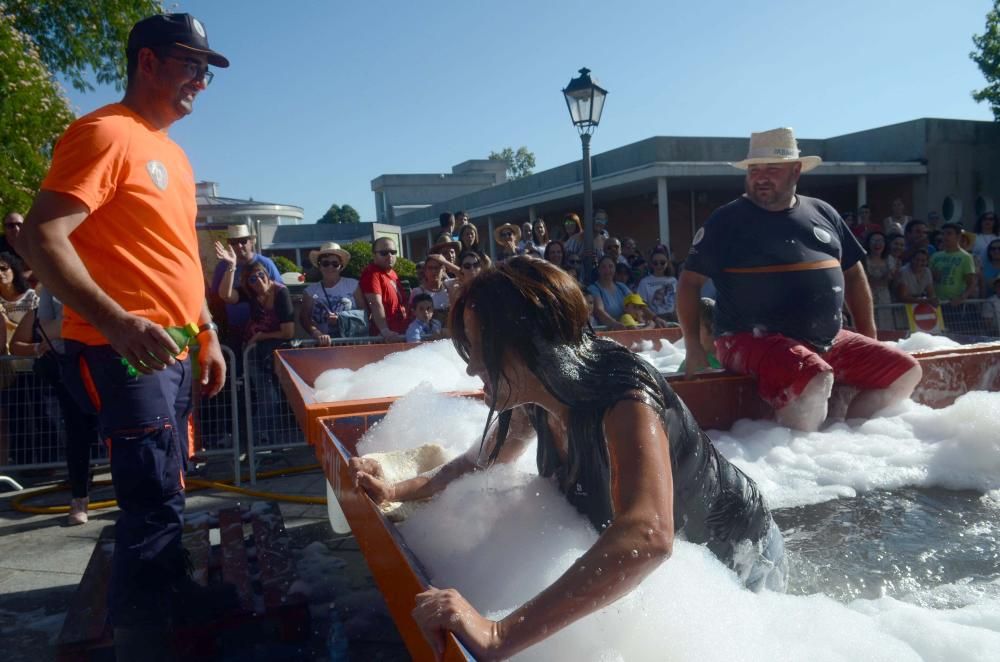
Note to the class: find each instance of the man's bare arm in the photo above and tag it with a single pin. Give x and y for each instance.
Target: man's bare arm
(858, 297)
(47, 228)
(689, 315)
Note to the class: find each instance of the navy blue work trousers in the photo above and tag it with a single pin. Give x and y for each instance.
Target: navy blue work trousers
(145, 420)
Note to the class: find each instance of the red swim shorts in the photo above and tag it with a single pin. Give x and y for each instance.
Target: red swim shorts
(783, 366)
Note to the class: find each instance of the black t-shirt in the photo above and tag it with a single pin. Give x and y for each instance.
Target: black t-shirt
(284, 309)
(777, 272)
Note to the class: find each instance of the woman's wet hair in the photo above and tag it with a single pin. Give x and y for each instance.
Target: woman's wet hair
(534, 310)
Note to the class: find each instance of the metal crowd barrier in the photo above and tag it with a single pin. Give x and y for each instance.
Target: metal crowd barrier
(270, 422)
(972, 321)
(33, 435)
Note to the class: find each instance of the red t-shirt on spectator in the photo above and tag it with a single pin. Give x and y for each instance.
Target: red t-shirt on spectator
(385, 284)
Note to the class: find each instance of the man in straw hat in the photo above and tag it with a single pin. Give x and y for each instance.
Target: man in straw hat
(784, 265)
(507, 236)
(234, 256)
(132, 270)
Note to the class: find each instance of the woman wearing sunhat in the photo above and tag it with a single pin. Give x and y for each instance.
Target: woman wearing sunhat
(334, 293)
(447, 254)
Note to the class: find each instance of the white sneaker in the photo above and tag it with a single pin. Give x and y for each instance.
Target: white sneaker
(78, 511)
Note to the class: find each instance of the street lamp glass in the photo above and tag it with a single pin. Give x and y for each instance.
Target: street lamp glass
(585, 100)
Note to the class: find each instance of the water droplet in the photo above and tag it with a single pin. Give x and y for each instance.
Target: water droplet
(599, 572)
(635, 553)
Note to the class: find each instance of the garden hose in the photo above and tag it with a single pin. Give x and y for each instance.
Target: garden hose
(191, 485)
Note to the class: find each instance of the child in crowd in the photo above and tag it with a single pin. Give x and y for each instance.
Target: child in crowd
(423, 326)
(636, 313)
(706, 334)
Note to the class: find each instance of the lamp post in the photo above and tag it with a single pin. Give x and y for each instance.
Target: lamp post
(585, 100)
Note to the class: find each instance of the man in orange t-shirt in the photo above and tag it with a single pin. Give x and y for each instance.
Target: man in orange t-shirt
(112, 234)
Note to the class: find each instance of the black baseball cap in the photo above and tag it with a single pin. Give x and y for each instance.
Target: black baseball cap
(182, 30)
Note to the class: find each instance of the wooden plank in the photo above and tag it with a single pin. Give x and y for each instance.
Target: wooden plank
(86, 624)
(277, 570)
(196, 542)
(235, 568)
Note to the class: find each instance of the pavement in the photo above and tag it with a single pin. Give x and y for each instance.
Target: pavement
(42, 560)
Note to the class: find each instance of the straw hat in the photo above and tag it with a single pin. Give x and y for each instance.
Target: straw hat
(505, 227)
(330, 248)
(776, 146)
(237, 231)
(437, 248)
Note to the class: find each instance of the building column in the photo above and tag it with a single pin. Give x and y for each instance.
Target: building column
(409, 247)
(298, 256)
(663, 210)
(489, 238)
(430, 239)
(532, 215)
(862, 190)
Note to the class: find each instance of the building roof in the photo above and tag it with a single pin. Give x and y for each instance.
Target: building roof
(311, 235)
(899, 149)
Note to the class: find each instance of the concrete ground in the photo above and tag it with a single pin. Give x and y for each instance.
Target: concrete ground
(42, 560)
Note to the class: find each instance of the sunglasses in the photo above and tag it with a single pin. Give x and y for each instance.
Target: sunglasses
(13, 224)
(469, 266)
(507, 235)
(386, 252)
(659, 264)
(329, 263)
(257, 278)
(194, 69)
(577, 261)
(244, 240)
(995, 248)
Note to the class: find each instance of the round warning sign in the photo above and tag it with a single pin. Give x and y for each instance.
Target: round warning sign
(925, 317)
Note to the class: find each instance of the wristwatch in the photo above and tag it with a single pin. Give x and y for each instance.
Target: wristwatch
(208, 326)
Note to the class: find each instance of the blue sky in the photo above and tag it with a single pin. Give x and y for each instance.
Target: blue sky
(322, 97)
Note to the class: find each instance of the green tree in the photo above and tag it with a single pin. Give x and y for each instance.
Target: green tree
(77, 37)
(338, 214)
(33, 114)
(519, 163)
(38, 40)
(988, 59)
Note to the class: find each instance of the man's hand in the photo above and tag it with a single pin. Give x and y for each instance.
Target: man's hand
(388, 335)
(213, 364)
(225, 253)
(145, 344)
(695, 360)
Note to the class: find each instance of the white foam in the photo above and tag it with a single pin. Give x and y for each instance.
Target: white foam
(666, 358)
(957, 448)
(436, 363)
(503, 535)
(919, 342)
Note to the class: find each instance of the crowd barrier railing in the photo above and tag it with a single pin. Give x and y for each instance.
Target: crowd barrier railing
(269, 420)
(975, 319)
(33, 434)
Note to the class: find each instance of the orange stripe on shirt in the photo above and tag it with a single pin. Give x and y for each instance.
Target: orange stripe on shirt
(779, 268)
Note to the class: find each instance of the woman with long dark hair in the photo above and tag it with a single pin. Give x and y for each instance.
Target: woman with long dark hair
(616, 439)
(468, 238)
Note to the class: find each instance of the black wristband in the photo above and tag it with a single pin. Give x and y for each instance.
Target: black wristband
(209, 326)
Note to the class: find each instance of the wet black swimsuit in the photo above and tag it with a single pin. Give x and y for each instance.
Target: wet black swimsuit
(715, 503)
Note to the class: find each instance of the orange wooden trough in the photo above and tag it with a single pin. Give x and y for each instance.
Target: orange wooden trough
(716, 400)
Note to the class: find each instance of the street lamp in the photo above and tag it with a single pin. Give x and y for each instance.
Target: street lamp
(585, 100)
